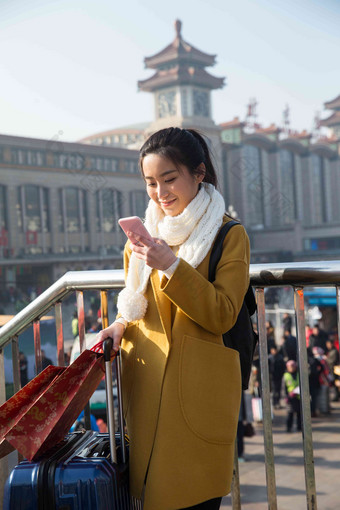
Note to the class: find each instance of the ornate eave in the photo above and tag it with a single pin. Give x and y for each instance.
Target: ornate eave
(232, 124)
(334, 104)
(332, 120)
(179, 51)
(303, 135)
(180, 75)
(270, 130)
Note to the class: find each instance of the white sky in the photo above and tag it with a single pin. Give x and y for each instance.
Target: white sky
(69, 68)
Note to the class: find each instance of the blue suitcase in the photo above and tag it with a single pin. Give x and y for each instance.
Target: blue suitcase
(87, 471)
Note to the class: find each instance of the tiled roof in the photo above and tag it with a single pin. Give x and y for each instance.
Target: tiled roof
(232, 123)
(301, 136)
(334, 104)
(179, 51)
(181, 74)
(332, 120)
(268, 130)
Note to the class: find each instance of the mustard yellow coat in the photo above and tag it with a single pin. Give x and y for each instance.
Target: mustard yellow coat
(181, 385)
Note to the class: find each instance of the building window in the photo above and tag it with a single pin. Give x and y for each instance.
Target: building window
(18, 208)
(287, 200)
(253, 186)
(132, 167)
(138, 203)
(22, 157)
(35, 158)
(45, 210)
(14, 156)
(32, 209)
(72, 210)
(73, 207)
(3, 209)
(61, 212)
(83, 210)
(69, 161)
(318, 199)
(109, 210)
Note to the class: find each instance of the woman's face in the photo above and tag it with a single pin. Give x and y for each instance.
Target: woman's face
(171, 187)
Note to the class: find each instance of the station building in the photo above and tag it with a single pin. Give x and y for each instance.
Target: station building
(59, 201)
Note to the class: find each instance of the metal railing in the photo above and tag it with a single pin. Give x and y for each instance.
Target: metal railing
(296, 275)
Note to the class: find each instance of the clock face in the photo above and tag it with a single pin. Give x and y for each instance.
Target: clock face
(201, 103)
(167, 104)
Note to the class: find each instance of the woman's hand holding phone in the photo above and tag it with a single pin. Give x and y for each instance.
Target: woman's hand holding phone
(156, 253)
(134, 225)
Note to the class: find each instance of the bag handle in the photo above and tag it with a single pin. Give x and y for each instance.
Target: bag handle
(107, 349)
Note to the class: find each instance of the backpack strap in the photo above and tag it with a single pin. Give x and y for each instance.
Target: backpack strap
(215, 256)
(217, 249)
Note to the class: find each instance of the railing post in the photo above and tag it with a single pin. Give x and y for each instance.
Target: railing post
(81, 319)
(16, 364)
(60, 334)
(235, 484)
(3, 461)
(104, 308)
(267, 419)
(37, 346)
(82, 346)
(338, 307)
(305, 399)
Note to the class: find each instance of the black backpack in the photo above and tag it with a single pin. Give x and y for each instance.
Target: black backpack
(241, 336)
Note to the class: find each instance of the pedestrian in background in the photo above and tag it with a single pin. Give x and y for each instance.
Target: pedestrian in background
(23, 369)
(292, 382)
(289, 346)
(74, 324)
(277, 368)
(333, 360)
(318, 338)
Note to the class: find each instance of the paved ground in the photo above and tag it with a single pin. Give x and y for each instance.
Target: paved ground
(289, 466)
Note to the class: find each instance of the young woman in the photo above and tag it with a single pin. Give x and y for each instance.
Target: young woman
(181, 385)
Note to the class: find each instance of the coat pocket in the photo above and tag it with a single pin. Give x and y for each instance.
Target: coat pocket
(210, 389)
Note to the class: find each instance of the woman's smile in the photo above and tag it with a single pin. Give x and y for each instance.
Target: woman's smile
(171, 187)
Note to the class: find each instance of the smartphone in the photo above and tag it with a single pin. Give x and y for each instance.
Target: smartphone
(135, 225)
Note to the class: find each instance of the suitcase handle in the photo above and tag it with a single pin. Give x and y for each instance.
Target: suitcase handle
(107, 348)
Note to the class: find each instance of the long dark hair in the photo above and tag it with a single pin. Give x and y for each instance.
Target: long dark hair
(183, 147)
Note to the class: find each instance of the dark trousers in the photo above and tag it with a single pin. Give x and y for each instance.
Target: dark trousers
(277, 383)
(212, 504)
(293, 408)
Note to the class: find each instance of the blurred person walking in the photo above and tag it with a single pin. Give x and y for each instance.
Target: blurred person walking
(292, 382)
(277, 368)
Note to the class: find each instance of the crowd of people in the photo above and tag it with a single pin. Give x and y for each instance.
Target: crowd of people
(322, 357)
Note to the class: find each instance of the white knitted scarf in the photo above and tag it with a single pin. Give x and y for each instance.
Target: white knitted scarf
(194, 230)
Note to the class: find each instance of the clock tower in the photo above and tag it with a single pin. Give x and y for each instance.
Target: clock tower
(180, 84)
(182, 90)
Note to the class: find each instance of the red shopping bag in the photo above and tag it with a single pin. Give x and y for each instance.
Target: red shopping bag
(48, 420)
(15, 408)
